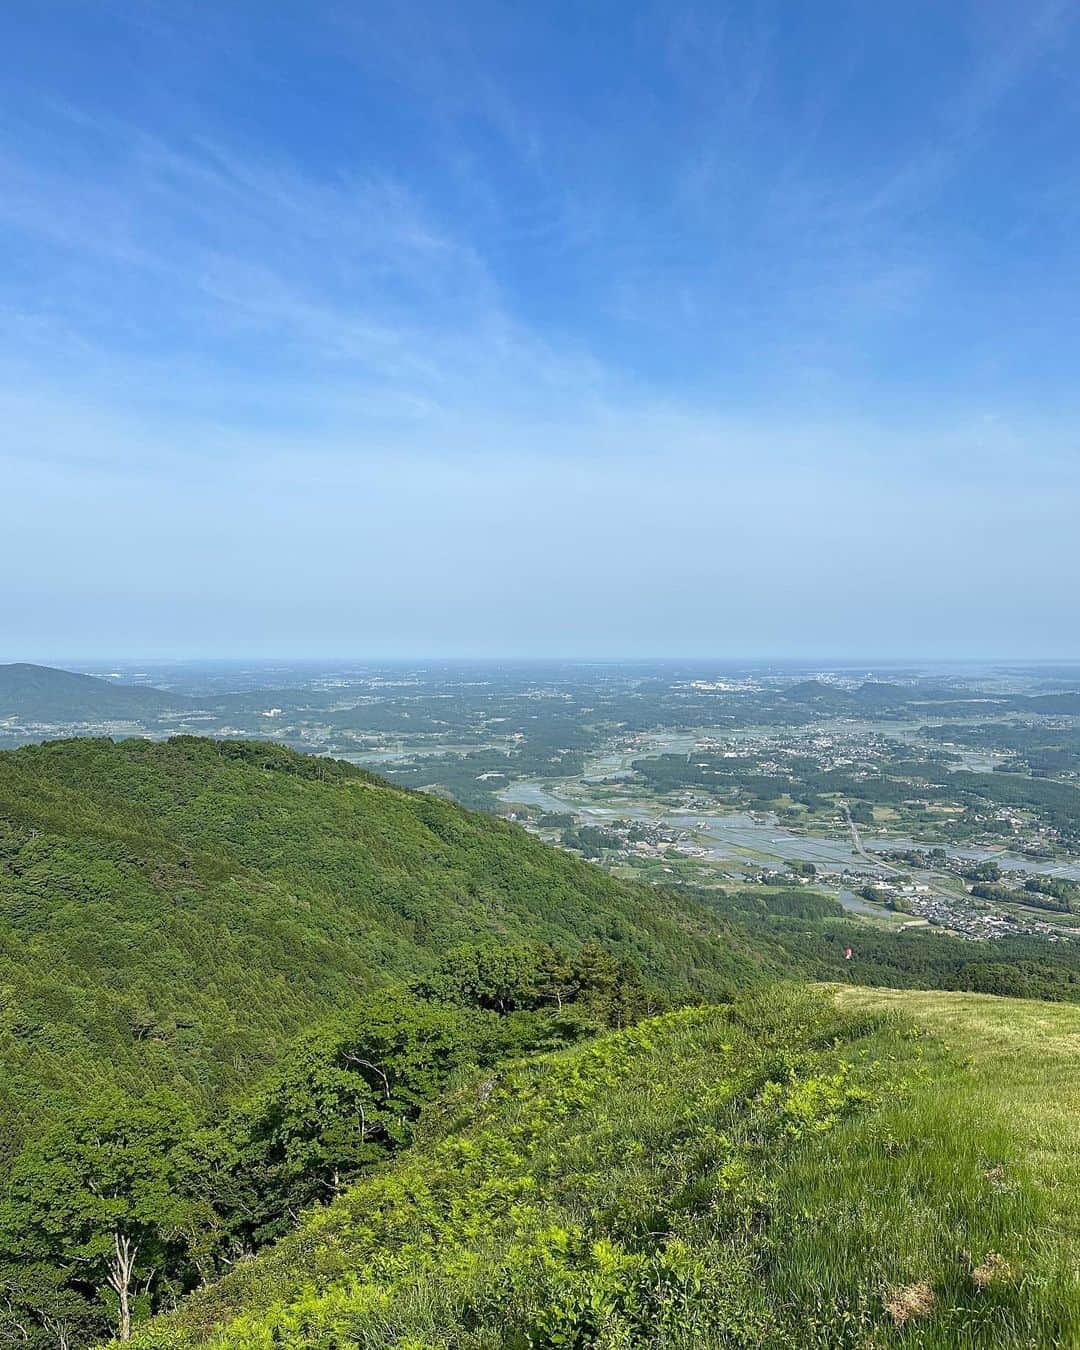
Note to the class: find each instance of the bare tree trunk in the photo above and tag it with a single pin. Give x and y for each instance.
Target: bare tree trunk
(20, 1327)
(120, 1273)
(367, 1064)
(59, 1330)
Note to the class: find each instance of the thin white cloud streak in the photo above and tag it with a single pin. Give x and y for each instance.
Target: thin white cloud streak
(353, 279)
(345, 280)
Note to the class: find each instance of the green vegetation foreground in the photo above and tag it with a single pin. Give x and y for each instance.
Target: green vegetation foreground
(236, 981)
(798, 1169)
(175, 914)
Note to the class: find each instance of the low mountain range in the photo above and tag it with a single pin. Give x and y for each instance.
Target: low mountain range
(42, 694)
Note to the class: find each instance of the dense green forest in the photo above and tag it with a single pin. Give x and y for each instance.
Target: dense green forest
(128, 1201)
(175, 913)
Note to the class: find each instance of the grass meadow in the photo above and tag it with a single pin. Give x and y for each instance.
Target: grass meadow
(805, 1168)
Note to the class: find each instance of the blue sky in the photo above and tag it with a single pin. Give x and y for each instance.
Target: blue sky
(539, 329)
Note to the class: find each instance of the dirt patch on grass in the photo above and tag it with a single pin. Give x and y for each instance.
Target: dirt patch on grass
(909, 1302)
(991, 1270)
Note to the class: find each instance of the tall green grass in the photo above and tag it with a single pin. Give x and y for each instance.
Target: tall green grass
(783, 1172)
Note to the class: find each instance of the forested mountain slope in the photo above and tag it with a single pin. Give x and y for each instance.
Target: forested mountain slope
(797, 1170)
(174, 913)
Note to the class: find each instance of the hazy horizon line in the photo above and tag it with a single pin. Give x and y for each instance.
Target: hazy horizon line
(793, 658)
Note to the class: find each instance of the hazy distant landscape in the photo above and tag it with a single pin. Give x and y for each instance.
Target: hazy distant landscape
(920, 794)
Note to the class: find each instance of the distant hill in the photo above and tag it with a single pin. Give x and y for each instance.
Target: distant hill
(1054, 705)
(870, 696)
(44, 694)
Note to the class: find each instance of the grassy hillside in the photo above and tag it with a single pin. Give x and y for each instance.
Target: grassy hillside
(172, 914)
(803, 1169)
(1021, 1062)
